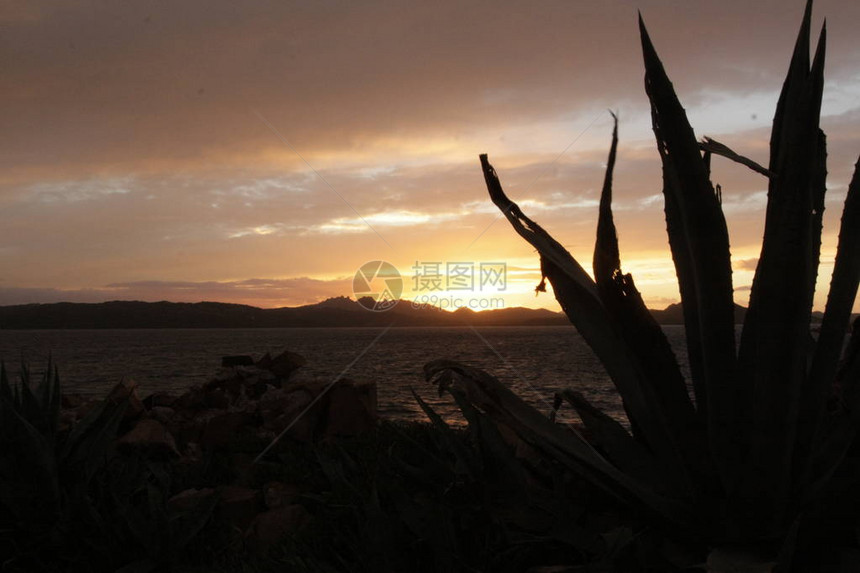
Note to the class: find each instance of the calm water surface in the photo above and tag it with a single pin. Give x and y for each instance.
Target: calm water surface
(534, 361)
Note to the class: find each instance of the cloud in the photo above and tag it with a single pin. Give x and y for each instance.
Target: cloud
(746, 264)
(212, 141)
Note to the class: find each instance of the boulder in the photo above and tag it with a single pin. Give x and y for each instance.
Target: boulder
(189, 499)
(238, 506)
(168, 418)
(192, 400)
(227, 379)
(127, 390)
(350, 408)
(159, 399)
(282, 408)
(217, 398)
(238, 360)
(71, 401)
(150, 437)
(282, 365)
(67, 420)
(222, 428)
(244, 468)
(279, 494)
(84, 409)
(274, 525)
(163, 414)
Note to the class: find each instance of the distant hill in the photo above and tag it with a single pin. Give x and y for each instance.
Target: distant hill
(339, 311)
(674, 314)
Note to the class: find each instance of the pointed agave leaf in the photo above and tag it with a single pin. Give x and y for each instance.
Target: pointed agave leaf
(30, 407)
(615, 441)
(465, 459)
(843, 292)
(185, 527)
(501, 404)
(776, 341)
(91, 440)
(698, 238)
(709, 146)
(833, 437)
(578, 296)
(6, 392)
(841, 429)
(490, 443)
(607, 258)
(645, 339)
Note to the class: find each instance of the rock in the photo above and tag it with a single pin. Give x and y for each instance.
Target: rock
(168, 418)
(84, 409)
(67, 420)
(71, 401)
(222, 428)
(159, 399)
(163, 414)
(194, 399)
(193, 452)
(279, 494)
(189, 499)
(282, 408)
(216, 398)
(351, 408)
(242, 464)
(127, 390)
(150, 437)
(275, 524)
(239, 360)
(228, 380)
(238, 506)
(283, 364)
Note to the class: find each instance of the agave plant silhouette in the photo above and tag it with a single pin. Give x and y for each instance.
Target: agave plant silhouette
(773, 416)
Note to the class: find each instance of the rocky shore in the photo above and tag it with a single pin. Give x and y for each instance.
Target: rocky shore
(231, 418)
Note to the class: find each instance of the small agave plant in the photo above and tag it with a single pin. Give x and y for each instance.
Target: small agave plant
(773, 415)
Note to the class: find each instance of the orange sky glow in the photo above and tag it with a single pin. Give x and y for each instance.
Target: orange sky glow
(260, 152)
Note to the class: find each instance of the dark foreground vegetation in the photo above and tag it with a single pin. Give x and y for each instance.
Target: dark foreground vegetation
(171, 483)
(758, 471)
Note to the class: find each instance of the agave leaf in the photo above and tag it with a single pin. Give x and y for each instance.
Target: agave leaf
(5, 389)
(185, 527)
(91, 440)
(840, 429)
(466, 462)
(491, 444)
(775, 340)
(55, 404)
(645, 339)
(501, 404)
(578, 296)
(709, 145)
(30, 407)
(837, 313)
(626, 453)
(607, 258)
(699, 241)
(33, 446)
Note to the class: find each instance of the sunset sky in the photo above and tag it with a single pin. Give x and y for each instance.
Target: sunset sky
(260, 152)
